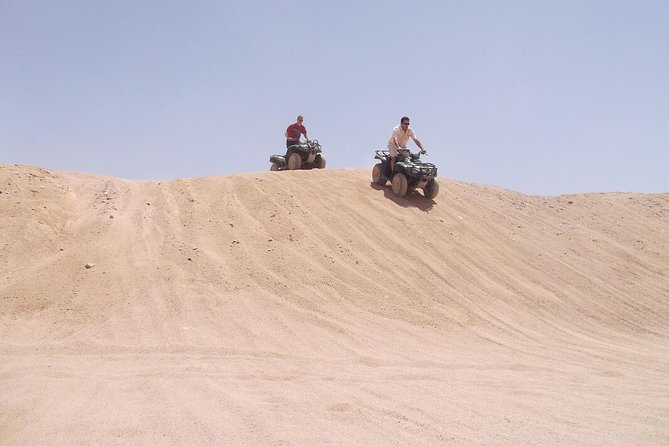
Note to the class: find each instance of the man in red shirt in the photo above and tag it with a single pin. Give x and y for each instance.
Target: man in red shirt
(294, 131)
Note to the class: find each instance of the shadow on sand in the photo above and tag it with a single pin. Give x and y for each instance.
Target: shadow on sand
(413, 198)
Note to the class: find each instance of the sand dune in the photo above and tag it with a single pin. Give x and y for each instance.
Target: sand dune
(313, 307)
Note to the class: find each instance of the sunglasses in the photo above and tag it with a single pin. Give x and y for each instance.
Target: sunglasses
(405, 123)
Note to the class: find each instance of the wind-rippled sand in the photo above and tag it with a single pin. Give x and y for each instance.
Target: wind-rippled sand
(313, 307)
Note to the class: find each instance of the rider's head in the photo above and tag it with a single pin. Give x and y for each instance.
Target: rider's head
(300, 118)
(404, 121)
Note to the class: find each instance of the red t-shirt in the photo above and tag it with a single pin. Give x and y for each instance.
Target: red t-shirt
(295, 130)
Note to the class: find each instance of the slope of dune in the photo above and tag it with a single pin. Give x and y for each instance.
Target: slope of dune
(313, 307)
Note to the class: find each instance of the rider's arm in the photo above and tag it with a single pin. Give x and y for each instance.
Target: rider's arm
(396, 138)
(415, 139)
(397, 143)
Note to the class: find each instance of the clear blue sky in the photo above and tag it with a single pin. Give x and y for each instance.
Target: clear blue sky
(542, 97)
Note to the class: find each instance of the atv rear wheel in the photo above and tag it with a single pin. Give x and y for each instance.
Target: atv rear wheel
(400, 184)
(377, 175)
(294, 161)
(320, 162)
(274, 167)
(431, 189)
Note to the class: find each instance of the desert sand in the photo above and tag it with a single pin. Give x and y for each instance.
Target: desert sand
(313, 307)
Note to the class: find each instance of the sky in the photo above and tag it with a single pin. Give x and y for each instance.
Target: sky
(540, 97)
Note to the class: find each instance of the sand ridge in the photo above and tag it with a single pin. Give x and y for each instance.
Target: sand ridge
(313, 307)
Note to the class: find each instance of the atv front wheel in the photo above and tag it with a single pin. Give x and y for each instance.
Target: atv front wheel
(431, 189)
(320, 162)
(377, 175)
(294, 161)
(400, 184)
(274, 167)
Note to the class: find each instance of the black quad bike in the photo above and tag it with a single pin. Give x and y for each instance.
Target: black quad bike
(304, 155)
(410, 173)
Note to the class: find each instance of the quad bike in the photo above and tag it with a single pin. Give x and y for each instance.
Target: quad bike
(303, 155)
(410, 173)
